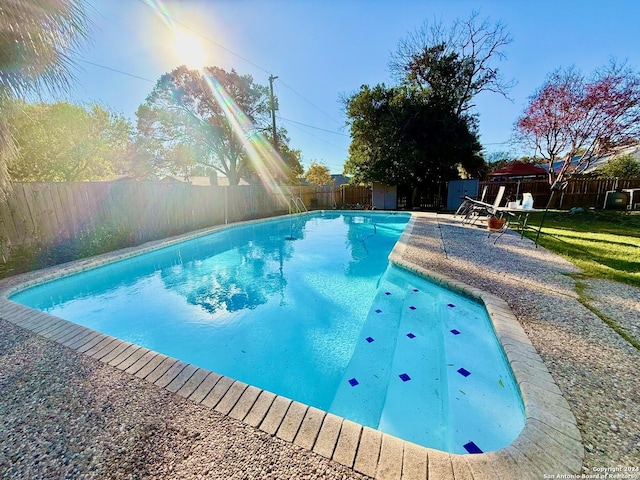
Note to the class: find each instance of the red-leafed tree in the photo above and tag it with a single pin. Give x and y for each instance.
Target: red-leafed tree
(575, 121)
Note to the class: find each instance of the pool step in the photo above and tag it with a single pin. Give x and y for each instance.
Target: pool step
(480, 387)
(417, 395)
(361, 393)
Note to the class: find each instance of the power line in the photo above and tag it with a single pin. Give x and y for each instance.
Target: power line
(117, 71)
(316, 128)
(309, 102)
(314, 136)
(185, 26)
(279, 117)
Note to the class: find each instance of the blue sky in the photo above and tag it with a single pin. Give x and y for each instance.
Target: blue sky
(323, 49)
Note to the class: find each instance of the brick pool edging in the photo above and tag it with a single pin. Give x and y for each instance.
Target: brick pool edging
(550, 442)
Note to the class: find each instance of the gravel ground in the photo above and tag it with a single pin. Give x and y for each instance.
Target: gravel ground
(63, 415)
(616, 301)
(595, 368)
(66, 416)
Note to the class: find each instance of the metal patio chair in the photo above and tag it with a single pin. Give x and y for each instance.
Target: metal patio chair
(479, 209)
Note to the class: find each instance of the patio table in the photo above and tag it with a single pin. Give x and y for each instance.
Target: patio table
(514, 216)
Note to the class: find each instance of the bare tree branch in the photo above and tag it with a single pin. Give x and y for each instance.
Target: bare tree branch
(476, 43)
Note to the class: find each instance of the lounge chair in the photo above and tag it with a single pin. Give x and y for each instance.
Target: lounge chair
(467, 203)
(478, 208)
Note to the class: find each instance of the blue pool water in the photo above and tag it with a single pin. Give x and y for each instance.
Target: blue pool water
(308, 307)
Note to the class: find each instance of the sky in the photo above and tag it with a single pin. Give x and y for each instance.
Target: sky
(324, 50)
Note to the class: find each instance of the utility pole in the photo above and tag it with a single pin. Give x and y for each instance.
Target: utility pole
(273, 113)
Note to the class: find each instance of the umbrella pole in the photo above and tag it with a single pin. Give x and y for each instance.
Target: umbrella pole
(546, 209)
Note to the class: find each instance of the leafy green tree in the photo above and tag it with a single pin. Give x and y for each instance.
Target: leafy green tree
(293, 165)
(290, 170)
(401, 135)
(37, 39)
(218, 116)
(65, 142)
(318, 174)
(624, 166)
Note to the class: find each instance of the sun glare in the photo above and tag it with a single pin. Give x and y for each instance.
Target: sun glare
(188, 49)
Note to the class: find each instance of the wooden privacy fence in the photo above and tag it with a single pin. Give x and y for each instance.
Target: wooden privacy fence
(580, 192)
(39, 215)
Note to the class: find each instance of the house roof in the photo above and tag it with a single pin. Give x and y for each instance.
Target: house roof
(519, 169)
(339, 179)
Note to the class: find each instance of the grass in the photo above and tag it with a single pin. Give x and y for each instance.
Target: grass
(603, 243)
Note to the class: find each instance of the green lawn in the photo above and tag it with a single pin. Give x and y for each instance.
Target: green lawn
(603, 243)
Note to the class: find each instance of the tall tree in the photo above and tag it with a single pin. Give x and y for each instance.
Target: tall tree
(400, 135)
(37, 41)
(317, 174)
(458, 63)
(218, 116)
(574, 121)
(65, 142)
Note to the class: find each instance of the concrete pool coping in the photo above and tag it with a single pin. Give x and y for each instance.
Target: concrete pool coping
(549, 443)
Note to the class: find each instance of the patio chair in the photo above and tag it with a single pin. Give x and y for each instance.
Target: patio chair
(478, 209)
(467, 203)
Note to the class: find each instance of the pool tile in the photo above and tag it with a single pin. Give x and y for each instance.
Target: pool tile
(412, 307)
(404, 377)
(378, 311)
(411, 335)
(455, 332)
(472, 448)
(369, 339)
(416, 290)
(353, 382)
(450, 305)
(387, 293)
(464, 372)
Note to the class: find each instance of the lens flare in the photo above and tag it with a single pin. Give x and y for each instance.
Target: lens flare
(162, 12)
(188, 49)
(262, 155)
(186, 46)
(264, 158)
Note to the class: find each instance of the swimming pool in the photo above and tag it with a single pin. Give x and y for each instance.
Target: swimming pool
(308, 307)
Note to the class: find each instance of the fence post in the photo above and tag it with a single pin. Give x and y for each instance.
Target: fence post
(226, 205)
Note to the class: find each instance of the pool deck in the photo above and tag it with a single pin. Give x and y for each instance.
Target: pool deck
(550, 443)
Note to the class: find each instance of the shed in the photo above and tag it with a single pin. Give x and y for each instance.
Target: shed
(384, 197)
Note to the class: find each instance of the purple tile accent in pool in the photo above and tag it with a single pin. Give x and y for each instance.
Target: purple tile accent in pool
(455, 332)
(378, 311)
(464, 372)
(450, 305)
(387, 293)
(404, 377)
(412, 307)
(353, 382)
(472, 448)
(369, 339)
(416, 290)
(411, 335)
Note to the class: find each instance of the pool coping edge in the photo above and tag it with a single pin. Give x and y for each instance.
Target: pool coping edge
(549, 443)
